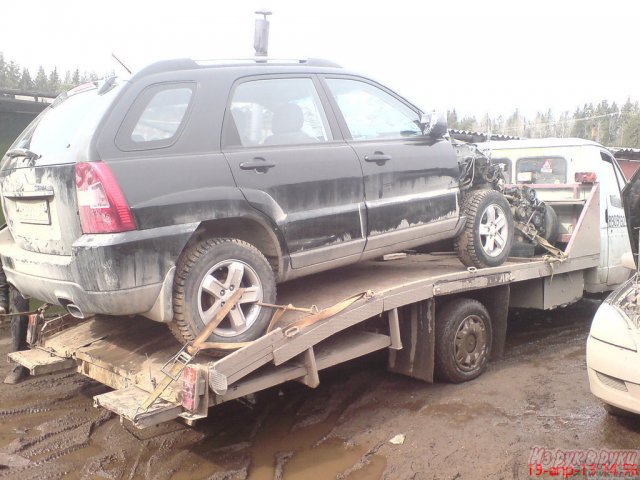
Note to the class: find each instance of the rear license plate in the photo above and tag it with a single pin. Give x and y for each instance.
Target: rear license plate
(33, 211)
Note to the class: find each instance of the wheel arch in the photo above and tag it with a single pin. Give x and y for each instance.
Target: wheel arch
(251, 229)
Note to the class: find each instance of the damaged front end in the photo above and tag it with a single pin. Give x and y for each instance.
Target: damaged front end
(530, 214)
(476, 169)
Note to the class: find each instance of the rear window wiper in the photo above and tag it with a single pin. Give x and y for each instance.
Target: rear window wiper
(23, 152)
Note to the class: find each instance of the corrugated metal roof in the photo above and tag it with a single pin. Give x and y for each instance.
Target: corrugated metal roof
(540, 143)
(475, 137)
(625, 153)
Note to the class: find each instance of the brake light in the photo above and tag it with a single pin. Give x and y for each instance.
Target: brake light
(586, 177)
(101, 203)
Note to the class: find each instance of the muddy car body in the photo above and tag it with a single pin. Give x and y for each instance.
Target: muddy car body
(191, 180)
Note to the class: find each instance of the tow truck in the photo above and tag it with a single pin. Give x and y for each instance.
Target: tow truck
(421, 307)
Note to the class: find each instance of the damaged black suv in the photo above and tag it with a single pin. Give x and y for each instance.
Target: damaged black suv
(162, 194)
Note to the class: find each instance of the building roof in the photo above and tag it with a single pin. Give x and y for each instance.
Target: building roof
(625, 153)
(540, 143)
(475, 137)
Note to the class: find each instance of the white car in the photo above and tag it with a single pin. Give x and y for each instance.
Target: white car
(613, 346)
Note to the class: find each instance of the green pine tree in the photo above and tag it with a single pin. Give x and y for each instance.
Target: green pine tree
(41, 83)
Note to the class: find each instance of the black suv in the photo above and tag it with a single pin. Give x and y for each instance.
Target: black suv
(162, 194)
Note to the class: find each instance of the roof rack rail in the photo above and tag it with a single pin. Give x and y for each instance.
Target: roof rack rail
(312, 62)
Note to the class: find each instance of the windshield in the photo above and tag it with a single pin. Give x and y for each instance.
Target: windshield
(59, 129)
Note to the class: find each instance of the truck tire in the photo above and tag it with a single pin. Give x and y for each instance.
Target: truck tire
(463, 340)
(207, 273)
(487, 236)
(551, 228)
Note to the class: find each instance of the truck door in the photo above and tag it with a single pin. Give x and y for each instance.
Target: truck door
(614, 225)
(410, 181)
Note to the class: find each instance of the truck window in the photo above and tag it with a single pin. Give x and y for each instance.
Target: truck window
(621, 181)
(541, 170)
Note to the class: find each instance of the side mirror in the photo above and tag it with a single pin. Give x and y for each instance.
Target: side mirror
(434, 125)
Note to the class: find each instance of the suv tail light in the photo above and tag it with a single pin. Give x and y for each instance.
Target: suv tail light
(101, 204)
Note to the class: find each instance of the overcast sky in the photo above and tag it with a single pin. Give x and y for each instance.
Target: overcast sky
(477, 57)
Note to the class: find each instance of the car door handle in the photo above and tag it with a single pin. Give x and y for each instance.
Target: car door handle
(258, 164)
(377, 157)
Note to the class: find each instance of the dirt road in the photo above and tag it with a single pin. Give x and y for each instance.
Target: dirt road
(537, 395)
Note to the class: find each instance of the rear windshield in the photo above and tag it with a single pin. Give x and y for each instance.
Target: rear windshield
(541, 170)
(59, 129)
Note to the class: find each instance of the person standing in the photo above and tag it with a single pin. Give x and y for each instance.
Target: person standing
(12, 301)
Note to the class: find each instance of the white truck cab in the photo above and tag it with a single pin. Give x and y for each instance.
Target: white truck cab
(561, 161)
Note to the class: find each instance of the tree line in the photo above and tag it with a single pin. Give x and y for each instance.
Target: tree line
(14, 76)
(606, 123)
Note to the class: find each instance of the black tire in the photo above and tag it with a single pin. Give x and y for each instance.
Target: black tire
(522, 249)
(551, 228)
(618, 412)
(469, 243)
(221, 262)
(463, 340)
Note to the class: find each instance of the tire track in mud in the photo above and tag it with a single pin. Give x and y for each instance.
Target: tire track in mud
(50, 423)
(537, 394)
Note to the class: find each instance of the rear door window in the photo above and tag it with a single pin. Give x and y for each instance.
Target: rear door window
(276, 111)
(156, 118)
(541, 170)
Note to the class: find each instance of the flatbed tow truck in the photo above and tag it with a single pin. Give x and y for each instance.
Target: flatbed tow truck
(391, 304)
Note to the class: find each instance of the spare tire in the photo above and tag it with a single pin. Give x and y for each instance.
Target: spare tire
(487, 236)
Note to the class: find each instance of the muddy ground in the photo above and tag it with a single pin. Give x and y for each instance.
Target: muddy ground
(538, 394)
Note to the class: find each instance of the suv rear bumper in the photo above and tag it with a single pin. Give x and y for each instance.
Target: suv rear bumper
(110, 274)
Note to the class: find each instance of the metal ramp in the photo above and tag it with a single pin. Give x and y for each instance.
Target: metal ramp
(304, 368)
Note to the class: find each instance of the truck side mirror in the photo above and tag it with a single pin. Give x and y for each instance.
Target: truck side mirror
(433, 125)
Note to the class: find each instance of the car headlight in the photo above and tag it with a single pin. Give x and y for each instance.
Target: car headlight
(611, 325)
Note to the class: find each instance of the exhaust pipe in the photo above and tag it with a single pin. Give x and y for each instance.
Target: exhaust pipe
(74, 310)
(261, 34)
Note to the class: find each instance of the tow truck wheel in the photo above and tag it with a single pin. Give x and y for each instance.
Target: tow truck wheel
(463, 340)
(207, 275)
(488, 233)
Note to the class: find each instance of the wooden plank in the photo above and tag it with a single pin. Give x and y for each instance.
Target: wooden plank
(126, 403)
(41, 362)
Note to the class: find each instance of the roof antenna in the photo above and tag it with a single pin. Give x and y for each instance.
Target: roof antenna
(261, 35)
(120, 62)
